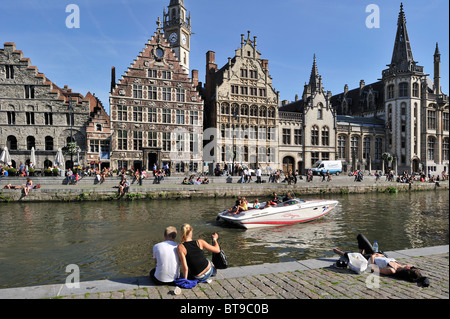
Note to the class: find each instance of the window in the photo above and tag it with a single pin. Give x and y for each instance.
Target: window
(49, 143)
(181, 95)
(325, 156)
(194, 118)
(137, 140)
(297, 136)
(244, 73)
(254, 91)
(152, 139)
(11, 142)
(122, 140)
(341, 146)
(29, 91)
(166, 143)
(98, 128)
(431, 145)
(415, 89)
(167, 75)
(166, 116)
(445, 121)
(180, 144)
(30, 142)
(152, 93)
(180, 117)
(314, 135)
(122, 113)
(271, 112)
(48, 118)
(354, 145)
(262, 134)
(234, 89)
(94, 146)
(152, 74)
(122, 165)
(104, 146)
(30, 118)
(378, 148)
(366, 148)
(319, 114)
(244, 110)
(262, 111)
(253, 74)
(167, 94)
(225, 108)
(325, 136)
(262, 92)
(244, 90)
(286, 136)
(271, 135)
(403, 109)
(314, 157)
(152, 116)
(9, 71)
(390, 91)
(431, 120)
(137, 113)
(403, 90)
(253, 110)
(445, 149)
(11, 117)
(193, 143)
(137, 91)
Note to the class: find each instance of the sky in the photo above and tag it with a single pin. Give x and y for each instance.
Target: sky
(289, 33)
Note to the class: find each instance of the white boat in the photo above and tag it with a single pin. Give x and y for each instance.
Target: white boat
(289, 212)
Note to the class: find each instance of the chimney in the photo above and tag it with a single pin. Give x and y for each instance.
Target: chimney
(265, 65)
(362, 84)
(113, 79)
(195, 77)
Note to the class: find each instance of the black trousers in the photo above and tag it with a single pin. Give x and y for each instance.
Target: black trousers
(364, 244)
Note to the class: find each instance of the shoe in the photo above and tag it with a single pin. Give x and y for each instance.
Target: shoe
(208, 281)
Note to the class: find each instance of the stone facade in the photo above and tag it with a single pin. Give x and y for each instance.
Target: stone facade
(242, 106)
(157, 112)
(34, 112)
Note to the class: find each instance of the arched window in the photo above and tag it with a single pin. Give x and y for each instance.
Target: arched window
(431, 145)
(49, 143)
(445, 149)
(31, 142)
(253, 110)
(271, 112)
(315, 135)
(341, 146)
(225, 108)
(325, 136)
(416, 89)
(11, 142)
(366, 147)
(235, 109)
(262, 111)
(354, 146)
(244, 110)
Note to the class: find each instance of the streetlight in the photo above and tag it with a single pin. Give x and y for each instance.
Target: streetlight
(71, 128)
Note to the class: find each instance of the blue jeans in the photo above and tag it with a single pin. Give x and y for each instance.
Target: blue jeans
(210, 272)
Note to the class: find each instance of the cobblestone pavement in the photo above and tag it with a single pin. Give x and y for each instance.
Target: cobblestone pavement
(322, 283)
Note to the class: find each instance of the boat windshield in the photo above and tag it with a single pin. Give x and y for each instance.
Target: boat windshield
(290, 202)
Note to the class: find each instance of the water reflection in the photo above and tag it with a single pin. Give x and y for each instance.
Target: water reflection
(115, 239)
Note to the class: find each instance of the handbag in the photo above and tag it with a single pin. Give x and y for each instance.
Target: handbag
(220, 260)
(357, 262)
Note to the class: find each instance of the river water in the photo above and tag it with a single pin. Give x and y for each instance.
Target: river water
(115, 239)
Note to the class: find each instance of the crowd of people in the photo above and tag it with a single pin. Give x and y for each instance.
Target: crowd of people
(195, 181)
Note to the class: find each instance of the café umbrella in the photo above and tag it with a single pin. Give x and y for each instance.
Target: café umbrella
(5, 157)
(33, 156)
(59, 159)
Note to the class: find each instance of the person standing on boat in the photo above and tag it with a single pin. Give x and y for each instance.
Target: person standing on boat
(166, 258)
(192, 258)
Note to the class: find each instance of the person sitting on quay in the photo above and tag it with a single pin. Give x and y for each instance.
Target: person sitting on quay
(167, 261)
(124, 185)
(192, 258)
(205, 180)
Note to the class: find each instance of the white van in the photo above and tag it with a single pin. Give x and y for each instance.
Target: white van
(334, 167)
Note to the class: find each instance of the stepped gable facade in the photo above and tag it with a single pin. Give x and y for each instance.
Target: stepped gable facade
(35, 112)
(156, 112)
(242, 106)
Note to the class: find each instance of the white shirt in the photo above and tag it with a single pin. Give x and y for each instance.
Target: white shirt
(168, 263)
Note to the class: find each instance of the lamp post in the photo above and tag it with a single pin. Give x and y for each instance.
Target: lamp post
(71, 128)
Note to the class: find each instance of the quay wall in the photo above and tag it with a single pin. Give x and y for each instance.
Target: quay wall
(56, 189)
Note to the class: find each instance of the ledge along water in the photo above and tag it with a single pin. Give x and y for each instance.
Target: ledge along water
(57, 189)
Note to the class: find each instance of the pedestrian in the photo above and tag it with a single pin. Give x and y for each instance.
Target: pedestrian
(167, 262)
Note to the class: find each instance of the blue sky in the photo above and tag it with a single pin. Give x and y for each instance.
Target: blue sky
(290, 32)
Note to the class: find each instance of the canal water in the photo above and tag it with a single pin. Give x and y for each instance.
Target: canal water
(115, 239)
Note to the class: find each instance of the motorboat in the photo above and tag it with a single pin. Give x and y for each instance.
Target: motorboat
(288, 212)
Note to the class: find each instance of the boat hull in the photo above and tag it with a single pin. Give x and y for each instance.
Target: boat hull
(300, 212)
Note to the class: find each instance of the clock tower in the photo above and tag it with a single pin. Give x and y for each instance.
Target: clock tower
(177, 30)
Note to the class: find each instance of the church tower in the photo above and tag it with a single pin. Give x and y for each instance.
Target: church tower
(402, 83)
(177, 30)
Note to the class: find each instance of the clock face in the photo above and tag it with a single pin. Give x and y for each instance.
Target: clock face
(184, 39)
(159, 52)
(173, 38)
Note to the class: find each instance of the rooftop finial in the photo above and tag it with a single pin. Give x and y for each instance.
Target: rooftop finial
(158, 23)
